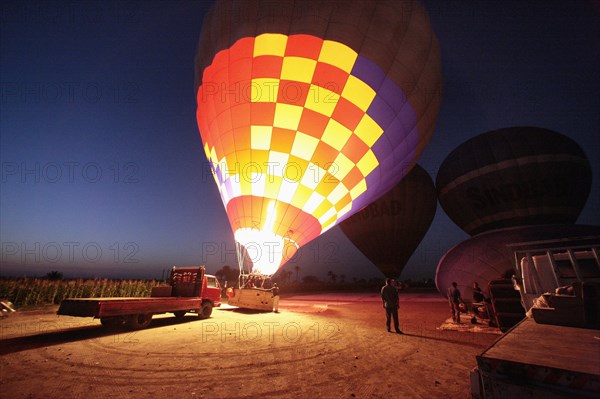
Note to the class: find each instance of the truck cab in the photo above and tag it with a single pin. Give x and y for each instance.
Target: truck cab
(192, 282)
(212, 289)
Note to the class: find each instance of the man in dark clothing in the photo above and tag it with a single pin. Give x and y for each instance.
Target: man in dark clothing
(478, 296)
(275, 292)
(389, 296)
(455, 299)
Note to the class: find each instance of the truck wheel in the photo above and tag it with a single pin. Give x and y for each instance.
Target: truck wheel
(205, 311)
(139, 321)
(180, 313)
(112, 322)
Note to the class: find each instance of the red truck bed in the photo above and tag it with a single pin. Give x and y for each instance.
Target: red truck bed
(110, 307)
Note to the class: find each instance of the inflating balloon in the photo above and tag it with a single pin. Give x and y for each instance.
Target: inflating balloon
(310, 110)
(487, 256)
(514, 177)
(389, 230)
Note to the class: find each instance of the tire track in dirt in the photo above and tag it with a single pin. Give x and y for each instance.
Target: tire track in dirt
(82, 359)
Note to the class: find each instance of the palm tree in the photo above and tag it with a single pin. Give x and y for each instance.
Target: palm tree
(297, 269)
(54, 275)
(223, 273)
(332, 276)
(226, 273)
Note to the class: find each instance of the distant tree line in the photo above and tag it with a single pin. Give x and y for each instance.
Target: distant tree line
(228, 276)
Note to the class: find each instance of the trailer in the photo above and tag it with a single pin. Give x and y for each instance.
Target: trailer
(542, 361)
(554, 352)
(190, 289)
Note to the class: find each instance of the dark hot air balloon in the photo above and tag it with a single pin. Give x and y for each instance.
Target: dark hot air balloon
(514, 177)
(389, 230)
(310, 110)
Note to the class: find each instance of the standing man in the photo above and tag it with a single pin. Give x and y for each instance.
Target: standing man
(455, 300)
(275, 292)
(391, 301)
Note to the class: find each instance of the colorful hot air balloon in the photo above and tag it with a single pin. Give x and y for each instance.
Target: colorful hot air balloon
(514, 177)
(308, 111)
(389, 230)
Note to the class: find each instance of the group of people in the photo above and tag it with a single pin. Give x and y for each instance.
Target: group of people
(255, 282)
(455, 300)
(391, 302)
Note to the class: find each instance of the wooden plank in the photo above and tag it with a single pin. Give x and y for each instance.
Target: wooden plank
(560, 347)
(105, 299)
(78, 308)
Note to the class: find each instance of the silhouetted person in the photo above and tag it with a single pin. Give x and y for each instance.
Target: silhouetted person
(478, 293)
(454, 299)
(391, 302)
(275, 292)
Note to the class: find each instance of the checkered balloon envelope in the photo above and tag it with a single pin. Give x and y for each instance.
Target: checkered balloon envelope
(309, 111)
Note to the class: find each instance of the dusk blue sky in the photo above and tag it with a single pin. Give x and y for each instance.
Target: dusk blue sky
(103, 172)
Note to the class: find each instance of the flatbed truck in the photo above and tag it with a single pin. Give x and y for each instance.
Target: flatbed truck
(540, 361)
(190, 289)
(554, 353)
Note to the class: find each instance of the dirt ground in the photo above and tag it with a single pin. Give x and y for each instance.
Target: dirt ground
(318, 346)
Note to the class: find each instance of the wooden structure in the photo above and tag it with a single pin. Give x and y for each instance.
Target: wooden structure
(506, 304)
(566, 274)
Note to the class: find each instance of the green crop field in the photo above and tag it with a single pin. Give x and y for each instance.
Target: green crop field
(30, 292)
